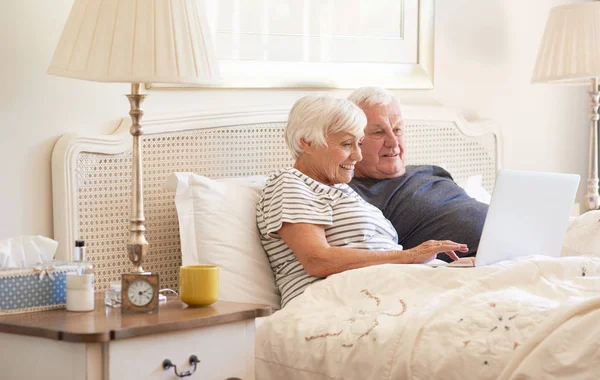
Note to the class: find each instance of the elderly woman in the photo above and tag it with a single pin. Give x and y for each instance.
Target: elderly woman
(312, 224)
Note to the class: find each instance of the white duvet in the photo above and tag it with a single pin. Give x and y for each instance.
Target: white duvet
(533, 318)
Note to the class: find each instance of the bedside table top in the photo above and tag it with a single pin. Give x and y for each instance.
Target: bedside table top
(107, 323)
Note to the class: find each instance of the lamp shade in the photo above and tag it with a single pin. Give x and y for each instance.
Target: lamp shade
(136, 41)
(570, 48)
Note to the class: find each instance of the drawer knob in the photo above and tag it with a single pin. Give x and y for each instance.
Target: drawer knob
(166, 364)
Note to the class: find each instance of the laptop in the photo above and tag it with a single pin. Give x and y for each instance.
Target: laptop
(528, 215)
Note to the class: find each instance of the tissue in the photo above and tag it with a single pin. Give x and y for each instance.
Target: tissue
(26, 251)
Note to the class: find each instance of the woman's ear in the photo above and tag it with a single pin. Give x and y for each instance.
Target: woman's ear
(306, 145)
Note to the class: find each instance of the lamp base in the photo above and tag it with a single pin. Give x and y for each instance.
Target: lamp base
(592, 197)
(137, 246)
(136, 253)
(592, 200)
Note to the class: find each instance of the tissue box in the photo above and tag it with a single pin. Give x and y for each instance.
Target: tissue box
(24, 290)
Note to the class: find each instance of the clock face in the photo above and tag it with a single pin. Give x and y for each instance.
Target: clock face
(140, 292)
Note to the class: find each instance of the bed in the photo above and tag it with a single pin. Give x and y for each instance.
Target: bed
(384, 322)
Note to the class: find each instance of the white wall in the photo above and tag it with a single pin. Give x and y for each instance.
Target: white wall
(484, 56)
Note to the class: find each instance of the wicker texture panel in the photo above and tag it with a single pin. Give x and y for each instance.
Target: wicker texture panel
(104, 184)
(104, 191)
(440, 143)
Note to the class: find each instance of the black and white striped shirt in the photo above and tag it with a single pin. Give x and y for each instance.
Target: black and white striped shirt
(292, 197)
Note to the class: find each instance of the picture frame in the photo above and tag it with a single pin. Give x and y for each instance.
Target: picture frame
(291, 50)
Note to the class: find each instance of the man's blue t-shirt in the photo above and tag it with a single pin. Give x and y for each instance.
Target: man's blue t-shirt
(426, 204)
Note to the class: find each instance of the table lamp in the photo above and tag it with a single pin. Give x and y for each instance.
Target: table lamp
(137, 42)
(570, 53)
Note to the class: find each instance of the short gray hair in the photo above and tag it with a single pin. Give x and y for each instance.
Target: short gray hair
(313, 117)
(371, 96)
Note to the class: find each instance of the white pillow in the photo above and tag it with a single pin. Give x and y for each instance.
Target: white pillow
(583, 236)
(217, 225)
(475, 189)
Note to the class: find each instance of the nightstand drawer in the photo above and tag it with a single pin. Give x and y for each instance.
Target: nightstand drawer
(224, 351)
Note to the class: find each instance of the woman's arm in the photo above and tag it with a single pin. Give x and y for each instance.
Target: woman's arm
(318, 258)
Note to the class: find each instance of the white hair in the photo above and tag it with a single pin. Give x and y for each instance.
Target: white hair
(371, 96)
(313, 117)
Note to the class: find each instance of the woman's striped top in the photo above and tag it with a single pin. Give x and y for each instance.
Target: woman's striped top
(292, 197)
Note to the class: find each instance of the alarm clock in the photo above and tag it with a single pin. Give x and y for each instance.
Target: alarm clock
(139, 292)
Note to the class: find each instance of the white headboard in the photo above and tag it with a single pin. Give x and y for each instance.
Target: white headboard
(91, 175)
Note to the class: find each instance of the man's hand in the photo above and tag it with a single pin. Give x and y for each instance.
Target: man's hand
(428, 251)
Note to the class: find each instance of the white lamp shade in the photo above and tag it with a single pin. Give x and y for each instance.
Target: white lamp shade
(570, 48)
(136, 41)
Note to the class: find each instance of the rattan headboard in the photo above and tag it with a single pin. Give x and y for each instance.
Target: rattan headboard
(92, 180)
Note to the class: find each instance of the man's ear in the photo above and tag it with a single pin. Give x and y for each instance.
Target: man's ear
(306, 145)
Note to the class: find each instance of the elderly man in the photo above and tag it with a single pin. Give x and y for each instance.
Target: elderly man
(422, 202)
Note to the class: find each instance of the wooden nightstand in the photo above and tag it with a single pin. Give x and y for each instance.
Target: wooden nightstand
(105, 344)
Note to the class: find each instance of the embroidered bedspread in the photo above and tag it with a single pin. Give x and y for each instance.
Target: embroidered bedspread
(531, 318)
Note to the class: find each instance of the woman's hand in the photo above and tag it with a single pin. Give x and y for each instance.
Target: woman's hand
(428, 251)
(465, 260)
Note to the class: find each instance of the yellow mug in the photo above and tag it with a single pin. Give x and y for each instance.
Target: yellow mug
(199, 284)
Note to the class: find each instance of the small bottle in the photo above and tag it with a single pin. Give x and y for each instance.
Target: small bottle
(80, 285)
(79, 256)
